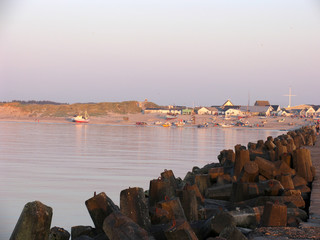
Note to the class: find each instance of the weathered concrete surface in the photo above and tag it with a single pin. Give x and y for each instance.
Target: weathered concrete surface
(306, 230)
(34, 222)
(314, 209)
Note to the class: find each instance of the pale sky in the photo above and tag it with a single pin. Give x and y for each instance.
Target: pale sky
(180, 52)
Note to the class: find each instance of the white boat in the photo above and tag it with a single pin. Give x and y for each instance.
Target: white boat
(171, 116)
(226, 125)
(81, 118)
(179, 123)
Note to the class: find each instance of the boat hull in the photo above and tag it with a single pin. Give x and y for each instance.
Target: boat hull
(80, 121)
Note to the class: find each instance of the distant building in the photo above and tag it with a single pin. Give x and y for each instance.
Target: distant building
(310, 112)
(276, 108)
(257, 110)
(206, 110)
(213, 110)
(261, 103)
(187, 111)
(235, 112)
(227, 103)
(283, 112)
(317, 113)
(202, 110)
(165, 110)
(223, 110)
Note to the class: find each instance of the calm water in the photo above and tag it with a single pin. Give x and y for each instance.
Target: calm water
(63, 164)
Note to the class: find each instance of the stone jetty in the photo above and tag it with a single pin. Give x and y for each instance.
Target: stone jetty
(265, 190)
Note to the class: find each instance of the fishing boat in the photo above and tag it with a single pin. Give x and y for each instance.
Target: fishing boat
(81, 118)
(171, 116)
(179, 123)
(226, 125)
(204, 125)
(167, 124)
(141, 123)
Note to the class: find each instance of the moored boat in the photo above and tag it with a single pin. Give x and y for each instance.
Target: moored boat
(226, 125)
(180, 123)
(141, 123)
(81, 118)
(204, 125)
(171, 116)
(167, 124)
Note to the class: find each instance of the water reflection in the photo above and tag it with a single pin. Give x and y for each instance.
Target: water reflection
(63, 164)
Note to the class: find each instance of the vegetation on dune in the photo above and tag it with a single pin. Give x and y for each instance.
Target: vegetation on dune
(67, 110)
(150, 105)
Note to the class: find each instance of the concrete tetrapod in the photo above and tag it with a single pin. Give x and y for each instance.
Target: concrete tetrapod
(133, 204)
(34, 222)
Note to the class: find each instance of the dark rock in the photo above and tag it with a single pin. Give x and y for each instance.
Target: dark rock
(133, 204)
(180, 230)
(57, 233)
(219, 192)
(84, 237)
(100, 206)
(117, 226)
(221, 221)
(232, 233)
(159, 190)
(274, 215)
(77, 231)
(34, 222)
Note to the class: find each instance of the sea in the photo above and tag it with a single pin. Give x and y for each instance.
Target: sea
(63, 164)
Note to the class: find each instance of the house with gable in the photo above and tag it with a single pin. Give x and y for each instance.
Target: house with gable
(225, 107)
(201, 110)
(276, 108)
(284, 113)
(317, 109)
(206, 110)
(227, 103)
(310, 112)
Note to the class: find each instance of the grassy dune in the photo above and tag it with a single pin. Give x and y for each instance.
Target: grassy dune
(67, 110)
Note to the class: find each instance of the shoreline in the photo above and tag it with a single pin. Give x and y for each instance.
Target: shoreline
(268, 123)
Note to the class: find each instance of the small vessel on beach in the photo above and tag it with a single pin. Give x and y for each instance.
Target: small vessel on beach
(204, 125)
(171, 116)
(167, 124)
(180, 123)
(81, 118)
(141, 123)
(226, 125)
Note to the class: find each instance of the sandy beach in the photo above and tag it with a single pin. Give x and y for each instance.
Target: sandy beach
(285, 123)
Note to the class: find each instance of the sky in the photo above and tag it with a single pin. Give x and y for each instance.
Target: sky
(177, 52)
